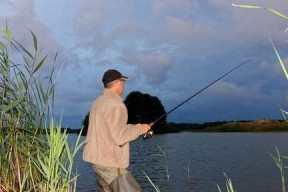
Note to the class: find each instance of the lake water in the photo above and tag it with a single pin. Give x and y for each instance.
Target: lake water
(243, 157)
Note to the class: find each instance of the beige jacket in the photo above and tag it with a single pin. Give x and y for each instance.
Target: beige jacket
(108, 136)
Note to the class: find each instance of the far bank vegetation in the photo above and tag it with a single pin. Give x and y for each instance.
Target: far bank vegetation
(262, 125)
(141, 109)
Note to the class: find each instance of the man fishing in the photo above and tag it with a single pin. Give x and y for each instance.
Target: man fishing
(108, 136)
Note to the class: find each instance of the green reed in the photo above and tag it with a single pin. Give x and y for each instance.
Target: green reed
(21, 117)
(151, 182)
(271, 10)
(229, 185)
(165, 162)
(26, 100)
(56, 162)
(278, 159)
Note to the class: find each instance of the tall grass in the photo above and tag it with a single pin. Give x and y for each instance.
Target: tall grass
(26, 100)
(55, 163)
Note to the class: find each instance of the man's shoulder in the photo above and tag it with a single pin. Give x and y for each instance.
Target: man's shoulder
(108, 100)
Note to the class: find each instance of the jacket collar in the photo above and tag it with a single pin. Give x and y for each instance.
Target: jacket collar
(108, 92)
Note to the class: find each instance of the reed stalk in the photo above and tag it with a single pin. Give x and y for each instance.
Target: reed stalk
(26, 101)
(229, 185)
(271, 10)
(187, 168)
(279, 162)
(151, 182)
(56, 162)
(165, 162)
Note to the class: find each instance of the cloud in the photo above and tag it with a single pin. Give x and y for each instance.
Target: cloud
(171, 48)
(259, 24)
(179, 29)
(180, 7)
(22, 19)
(91, 17)
(154, 66)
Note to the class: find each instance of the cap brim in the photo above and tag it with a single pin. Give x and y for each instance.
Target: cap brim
(124, 78)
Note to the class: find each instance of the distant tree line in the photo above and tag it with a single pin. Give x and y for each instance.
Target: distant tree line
(142, 108)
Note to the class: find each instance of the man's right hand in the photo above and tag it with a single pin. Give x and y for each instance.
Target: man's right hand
(146, 128)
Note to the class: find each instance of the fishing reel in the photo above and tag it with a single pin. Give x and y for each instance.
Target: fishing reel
(148, 135)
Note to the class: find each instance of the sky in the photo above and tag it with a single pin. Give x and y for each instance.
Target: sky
(170, 49)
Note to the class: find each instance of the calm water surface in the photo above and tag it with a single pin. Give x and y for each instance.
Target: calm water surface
(243, 157)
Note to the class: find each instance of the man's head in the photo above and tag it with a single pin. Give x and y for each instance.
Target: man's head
(114, 79)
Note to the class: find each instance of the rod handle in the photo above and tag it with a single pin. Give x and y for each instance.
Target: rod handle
(150, 133)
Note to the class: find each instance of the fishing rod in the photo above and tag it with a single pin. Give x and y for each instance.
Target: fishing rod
(150, 133)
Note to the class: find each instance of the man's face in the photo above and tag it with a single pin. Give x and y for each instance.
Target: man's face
(120, 86)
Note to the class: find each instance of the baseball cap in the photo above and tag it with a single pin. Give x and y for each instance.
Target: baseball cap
(111, 75)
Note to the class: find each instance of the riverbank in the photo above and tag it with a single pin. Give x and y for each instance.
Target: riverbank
(263, 125)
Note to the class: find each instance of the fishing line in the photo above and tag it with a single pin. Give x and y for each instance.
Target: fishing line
(149, 134)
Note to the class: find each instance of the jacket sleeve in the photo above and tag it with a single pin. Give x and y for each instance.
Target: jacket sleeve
(120, 131)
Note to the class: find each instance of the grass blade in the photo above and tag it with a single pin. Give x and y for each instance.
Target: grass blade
(40, 64)
(280, 60)
(246, 6)
(12, 105)
(34, 40)
(273, 11)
